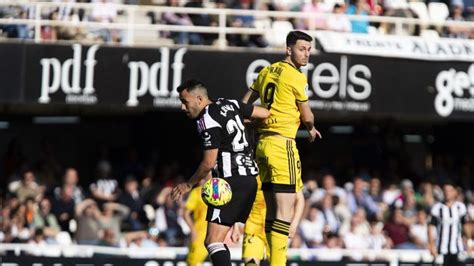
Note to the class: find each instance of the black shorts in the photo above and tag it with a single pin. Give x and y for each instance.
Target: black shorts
(452, 260)
(238, 209)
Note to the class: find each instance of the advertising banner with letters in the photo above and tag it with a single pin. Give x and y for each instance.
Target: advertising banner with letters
(409, 47)
(339, 85)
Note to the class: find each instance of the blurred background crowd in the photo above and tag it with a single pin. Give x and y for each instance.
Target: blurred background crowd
(104, 11)
(127, 203)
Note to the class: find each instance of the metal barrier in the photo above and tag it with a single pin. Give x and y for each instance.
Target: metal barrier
(130, 24)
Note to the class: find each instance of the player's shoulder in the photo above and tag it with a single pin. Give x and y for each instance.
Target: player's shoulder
(209, 118)
(460, 205)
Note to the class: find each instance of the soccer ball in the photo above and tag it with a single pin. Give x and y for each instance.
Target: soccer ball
(216, 192)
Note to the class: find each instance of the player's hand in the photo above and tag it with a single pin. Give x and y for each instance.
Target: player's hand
(292, 230)
(236, 234)
(179, 190)
(313, 134)
(433, 251)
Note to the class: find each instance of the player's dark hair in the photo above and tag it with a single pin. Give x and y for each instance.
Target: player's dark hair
(190, 85)
(296, 35)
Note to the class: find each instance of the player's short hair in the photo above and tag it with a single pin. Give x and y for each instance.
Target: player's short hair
(191, 85)
(296, 35)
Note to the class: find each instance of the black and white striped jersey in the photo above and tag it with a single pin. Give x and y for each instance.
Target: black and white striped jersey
(449, 223)
(220, 126)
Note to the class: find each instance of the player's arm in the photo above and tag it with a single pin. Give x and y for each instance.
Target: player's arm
(307, 118)
(250, 96)
(299, 209)
(207, 164)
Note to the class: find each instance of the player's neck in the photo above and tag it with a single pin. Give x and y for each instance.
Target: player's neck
(449, 203)
(289, 61)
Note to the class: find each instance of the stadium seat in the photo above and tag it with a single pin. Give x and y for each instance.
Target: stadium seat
(277, 36)
(429, 34)
(438, 11)
(420, 10)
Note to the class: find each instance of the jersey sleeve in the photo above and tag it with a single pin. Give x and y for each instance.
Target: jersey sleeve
(246, 110)
(299, 90)
(210, 132)
(259, 81)
(433, 219)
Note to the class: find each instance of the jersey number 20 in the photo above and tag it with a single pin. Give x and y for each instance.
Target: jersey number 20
(239, 142)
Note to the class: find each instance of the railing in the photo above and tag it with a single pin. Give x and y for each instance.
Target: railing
(390, 255)
(130, 24)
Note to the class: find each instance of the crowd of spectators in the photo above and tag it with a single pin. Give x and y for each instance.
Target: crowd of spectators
(333, 19)
(366, 212)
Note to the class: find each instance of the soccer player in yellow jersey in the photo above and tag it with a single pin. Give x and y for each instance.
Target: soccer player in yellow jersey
(281, 88)
(195, 216)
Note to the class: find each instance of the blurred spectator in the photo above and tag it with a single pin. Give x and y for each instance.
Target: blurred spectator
(316, 21)
(63, 207)
(132, 199)
(49, 32)
(88, 222)
(338, 21)
(112, 217)
(357, 223)
(171, 18)
(355, 238)
(108, 239)
(167, 217)
(105, 189)
(391, 193)
(104, 11)
(419, 230)
(312, 227)
(331, 219)
(329, 187)
(360, 8)
(359, 198)
(245, 21)
(201, 20)
(46, 221)
(28, 187)
(71, 179)
(454, 31)
(377, 239)
(398, 231)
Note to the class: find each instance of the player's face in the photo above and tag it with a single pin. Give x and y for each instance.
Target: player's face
(299, 53)
(450, 192)
(190, 104)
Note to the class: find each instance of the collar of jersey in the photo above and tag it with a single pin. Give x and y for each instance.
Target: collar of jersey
(291, 65)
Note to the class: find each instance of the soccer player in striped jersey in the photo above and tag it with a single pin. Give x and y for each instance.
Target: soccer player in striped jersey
(447, 223)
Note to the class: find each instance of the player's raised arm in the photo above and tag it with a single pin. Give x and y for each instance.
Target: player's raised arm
(307, 118)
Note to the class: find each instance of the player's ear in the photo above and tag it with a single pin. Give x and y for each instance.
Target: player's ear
(288, 50)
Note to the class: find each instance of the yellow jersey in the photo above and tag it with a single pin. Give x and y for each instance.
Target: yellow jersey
(199, 209)
(280, 86)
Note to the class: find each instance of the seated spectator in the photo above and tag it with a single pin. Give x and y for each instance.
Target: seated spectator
(312, 227)
(455, 31)
(201, 20)
(166, 218)
(338, 21)
(132, 199)
(355, 238)
(171, 18)
(331, 219)
(28, 187)
(71, 179)
(245, 21)
(398, 231)
(112, 217)
(105, 11)
(419, 230)
(63, 207)
(105, 189)
(377, 239)
(46, 221)
(329, 187)
(359, 198)
(88, 222)
(357, 223)
(360, 8)
(316, 21)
